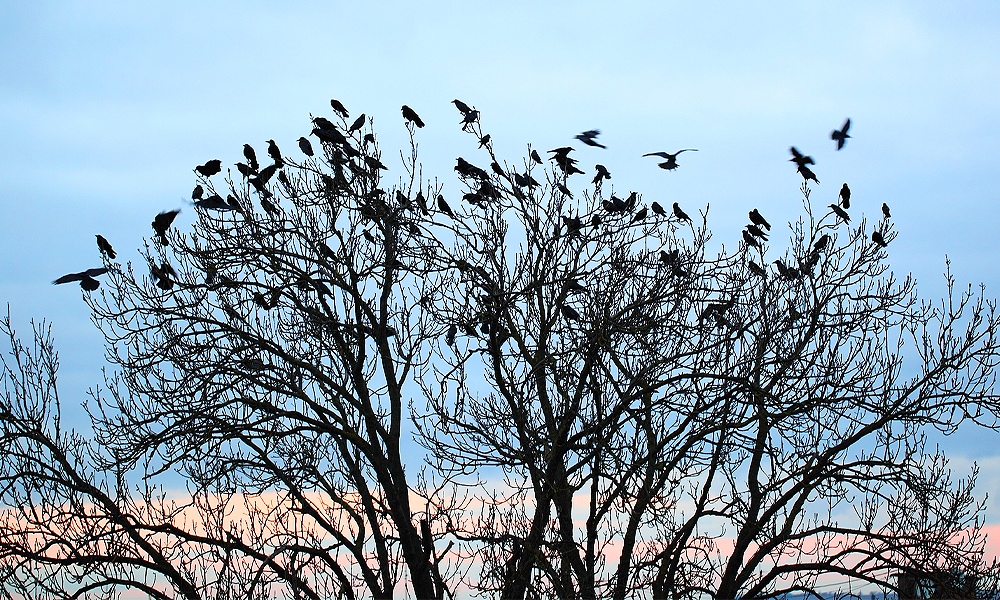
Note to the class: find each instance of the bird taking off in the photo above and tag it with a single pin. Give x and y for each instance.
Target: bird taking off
(590, 138)
(840, 135)
(162, 223)
(411, 116)
(800, 160)
(671, 163)
(86, 278)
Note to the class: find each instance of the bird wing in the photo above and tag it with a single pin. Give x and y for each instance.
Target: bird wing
(95, 272)
(69, 277)
(660, 154)
(847, 125)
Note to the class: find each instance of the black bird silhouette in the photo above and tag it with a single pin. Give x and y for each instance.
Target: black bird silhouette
(105, 247)
(305, 146)
(569, 312)
(589, 138)
(410, 115)
(535, 157)
(750, 240)
(878, 239)
(800, 159)
(461, 106)
(821, 243)
(357, 124)
(845, 196)
(756, 269)
(162, 223)
(484, 140)
(757, 219)
(670, 258)
(210, 168)
(658, 209)
(562, 188)
(213, 202)
(807, 174)
(671, 163)
(757, 232)
(443, 207)
(573, 224)
(163, 275)
(840, 136)
(470, 117)
(197, 192)
(840, 212)
(323, 123)
(248, 152)
(449, 337)
(885, 210)
(639, 215)
(337, 106)
(602, 173)
(274, 153)
(680, 214)
(86, 278)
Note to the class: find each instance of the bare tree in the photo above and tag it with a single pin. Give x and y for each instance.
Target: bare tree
(612, 404)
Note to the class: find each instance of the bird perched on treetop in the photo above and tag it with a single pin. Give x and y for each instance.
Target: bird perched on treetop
(840, 136)
(680, 214)
(757, 219)
(671, 163)
(410, 115)
(357, 124)
(337, 106)
(461, 106)
(885, 210)
(105, 247)
(305, 146)
(589, 138)
(845, 196)
(248, 152)
(602, 173)
(658, 209)
(840, 212)
(878, 239)
(210, 168)
(535, 157)
(274, 153)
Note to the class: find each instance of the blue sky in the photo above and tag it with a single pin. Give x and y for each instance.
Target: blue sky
(106, 107)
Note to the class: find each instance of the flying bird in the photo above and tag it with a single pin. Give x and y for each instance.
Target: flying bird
(757, 219)
(841, 212)
(337, 106)
(590, 138)
(86, 278)
(105, 247)
(840, 136)
(671, 163)
(210, 168)
(305, 146)
(800, 160)
(680, 214)
(878, 239)
(162, 223)
(411, 116)
(845, 196)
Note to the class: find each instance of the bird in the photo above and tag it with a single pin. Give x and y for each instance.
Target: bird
(210, 168)
(197, 192)
(658, 209)
(821, 243)
(800, 159)
(357, 124)
(639, 215)
(411, 116)
(757, 219)
(680, 214)
(807, 174)
(840, 212)
(845, 196)
(105, 247)
(562, 188)
(162, 223)
(589, 137)
(305, 146)
(670, 258)
(251, 156)
(485, 140)
(885, 210)
(569, 312)
(213, 202)
(840, 135)
(274, 153)
(337, 106)
(750, 240)
(878, 239)
(535, 157)
(671, 163)
(602, 173)
(757, 232)
(470, 117)
(449, 337)
(756, 269)
(461, 106)
(86, 278)
(443, 207)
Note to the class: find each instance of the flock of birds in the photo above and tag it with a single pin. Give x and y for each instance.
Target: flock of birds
(326, 131)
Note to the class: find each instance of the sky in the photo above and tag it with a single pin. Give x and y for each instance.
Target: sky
(107, 106)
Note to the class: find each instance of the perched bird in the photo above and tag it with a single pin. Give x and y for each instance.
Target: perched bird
(197, 192)
(658, 209)
(86, 278)
(357, 124)
(639, 215)
(807, 174)
(757, 232)
(449, 337)
(411, 116)
(589, 138)
(845, 196)
(162, 223)
(337, 106)
(443, 207)
(213, 202)
(210, 168)
(671, 163)
(840, 212)
(750, 240)
(680, 214)
(251, 156)
(305, 146)
(878, 239)
(602, 173)
(105, 247)
(756, 269)
(535, 157)
(470, 117)
(274, 153)
(757, 219)
(485, 140)
(574, 285)
(569, 312)
(885, 210)
(562, 188)
(821, 243)
(461, 106)
(840, 136)
(800, 159)
(573, 224)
